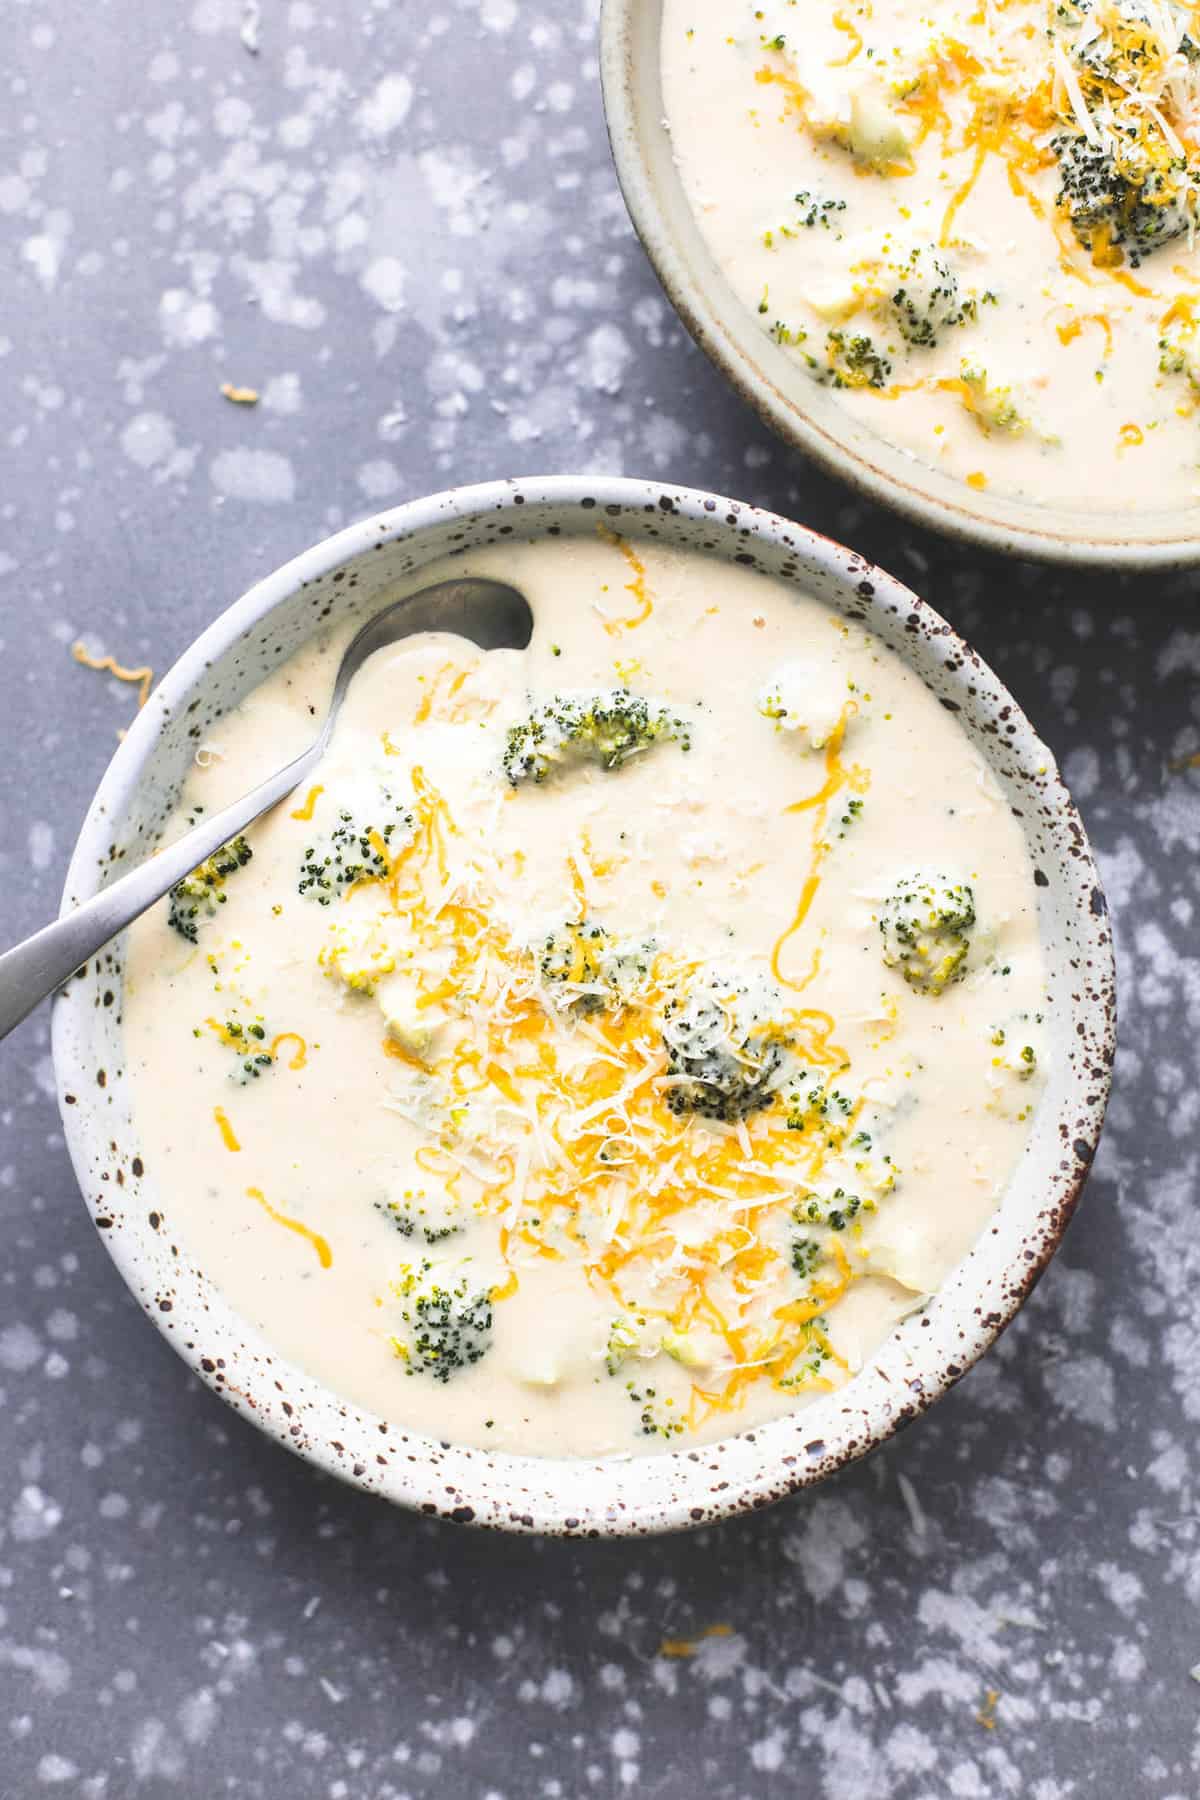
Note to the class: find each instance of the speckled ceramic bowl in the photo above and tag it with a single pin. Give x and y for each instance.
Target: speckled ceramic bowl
(783, 394)
(357, 572)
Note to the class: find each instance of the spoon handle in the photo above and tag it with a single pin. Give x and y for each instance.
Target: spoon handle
(51, 956)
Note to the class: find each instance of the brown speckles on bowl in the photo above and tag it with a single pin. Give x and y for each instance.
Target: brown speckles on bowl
(355, 573)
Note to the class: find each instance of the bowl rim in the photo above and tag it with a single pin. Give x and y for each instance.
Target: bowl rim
(582, 1496)
(885, 472)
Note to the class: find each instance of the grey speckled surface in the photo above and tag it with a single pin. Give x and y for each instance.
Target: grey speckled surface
(400, 223)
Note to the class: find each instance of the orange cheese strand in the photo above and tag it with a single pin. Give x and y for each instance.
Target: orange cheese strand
(850, 29)
(637, 587)
(808, 894)
(225, 1128)
(108, 665)
(683, 1647)
(290, 1037)
(434, 701)
(306, 811)
(1073, 327)
(507, 1289)
(324, 1253)
(797, 94)
(963, 193)
(837, 775)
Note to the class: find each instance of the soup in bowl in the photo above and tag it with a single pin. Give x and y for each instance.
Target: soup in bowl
(634, 1075)
(948, 251)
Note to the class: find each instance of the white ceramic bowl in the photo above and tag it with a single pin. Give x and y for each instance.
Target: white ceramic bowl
(358, 571)
(798, 408)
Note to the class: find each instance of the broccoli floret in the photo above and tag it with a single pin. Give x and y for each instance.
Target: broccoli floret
(626, 967)
(992, 408)
(654, 1421)
(359, 848)
(415, 1213)
(622, 1342)
(851, 816)
(629, 1335)
(1015, 1054)
(1177, 355)
(814, 211)
(854, 362)
(448, 1321)
(197, 897)
(588, 971)
(1125, 185)
(607, 728)
(806, 1254)
(571, 959)
(251, 1044)
(727, 1052)
(1124, 194)
(926, 925)
(806, 701)
(358, 952)
(811, 1105)
(817, 1352)
(926, 302)
(835, 1211)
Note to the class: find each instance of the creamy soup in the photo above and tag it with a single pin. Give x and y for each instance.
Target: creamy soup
(620, 1036)
(975, 221)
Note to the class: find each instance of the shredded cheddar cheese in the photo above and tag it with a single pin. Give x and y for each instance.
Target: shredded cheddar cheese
(319, 1244)
(681, 1648)
(299, 1056)
(643, 601)
(573, 1147)
(142, 678)
(306, 811)
(228, 1136)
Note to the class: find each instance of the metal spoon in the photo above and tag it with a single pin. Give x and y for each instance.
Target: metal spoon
(491, 614)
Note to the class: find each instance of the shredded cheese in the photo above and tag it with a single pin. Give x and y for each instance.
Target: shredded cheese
(228, 1136)
(563, 1129)
(319, 1244)
(143, 677)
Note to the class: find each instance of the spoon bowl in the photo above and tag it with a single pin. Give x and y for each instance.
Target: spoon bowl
(489, 613)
